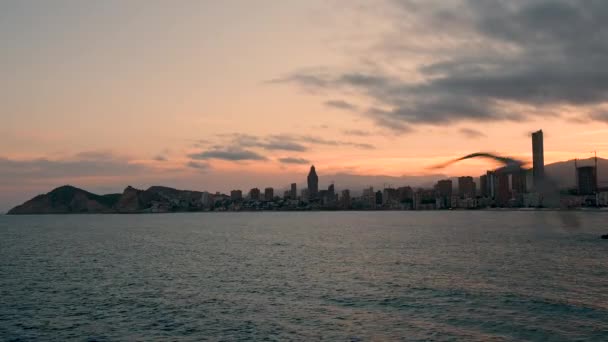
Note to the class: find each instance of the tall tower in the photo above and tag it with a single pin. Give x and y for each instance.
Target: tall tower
(538, 157)
(313, 183)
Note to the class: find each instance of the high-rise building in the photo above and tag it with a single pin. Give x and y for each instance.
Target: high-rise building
(254, 194)
(390, 196)
(538, 157)
(466, 187)
(484, 189)
(586, 180)
(378, 197)
(313, 183)
(304, 196)
(518, 181)
(503, 194)
(345, 199)
(293, 193)
(268, 194)
(444, 192)
(236, 195)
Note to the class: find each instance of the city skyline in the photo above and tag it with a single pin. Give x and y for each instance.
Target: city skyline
(200, 95)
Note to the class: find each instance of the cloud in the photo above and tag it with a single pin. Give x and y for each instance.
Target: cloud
(238, 146)
(357, 132)
(330, 142)
(292, 160)
(231, 154)
(271, 142)
(471, 133)
(81, 165)
(341, 104)
(483, 61)
(198, 165)
(160, 158)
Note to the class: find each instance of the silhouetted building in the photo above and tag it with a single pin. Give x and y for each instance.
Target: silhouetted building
(304, 196)
(390, 197)
(538, 157)
(369, 197)
(206, 199)
(483, 186)
(313, 183)
(268, 194)
(378, 197)
(444, 193)
(236, 195)
(345, 200)
(406, 194)
(254, 194)
(503, 194)
(586, 180)
(466, 187)
(518, 181)
(331, 190)
(293, 193)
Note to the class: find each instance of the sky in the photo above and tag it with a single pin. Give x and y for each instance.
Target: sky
(218, 95)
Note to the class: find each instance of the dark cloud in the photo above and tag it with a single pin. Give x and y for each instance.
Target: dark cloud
(238, 146)
(341, 104)
(357, 132)
(600, 115)
(231, 154)
(86, 164)
(488, 60)
(198, 165)
(471, 133)
(292, 160)
(271, 143)
(160, 158)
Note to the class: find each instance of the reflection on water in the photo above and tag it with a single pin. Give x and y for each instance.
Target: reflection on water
(339, 276)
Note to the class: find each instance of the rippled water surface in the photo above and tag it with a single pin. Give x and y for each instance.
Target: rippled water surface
(305, 276)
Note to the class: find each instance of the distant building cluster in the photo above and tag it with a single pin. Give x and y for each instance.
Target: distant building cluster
(500, 188)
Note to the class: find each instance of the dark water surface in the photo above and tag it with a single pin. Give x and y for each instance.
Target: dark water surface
(337, 276)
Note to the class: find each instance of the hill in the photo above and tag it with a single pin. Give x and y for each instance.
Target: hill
(67, 199)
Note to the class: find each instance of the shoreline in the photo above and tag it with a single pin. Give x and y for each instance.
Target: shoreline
(594, 210)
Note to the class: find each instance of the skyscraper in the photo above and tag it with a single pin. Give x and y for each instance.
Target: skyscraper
(466, 187)
(293, 193)
(313, 183)
(268, 194)
(586, 180)
(538, 157)
(254, 194)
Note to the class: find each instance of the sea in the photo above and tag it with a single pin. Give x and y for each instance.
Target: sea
(305, 276)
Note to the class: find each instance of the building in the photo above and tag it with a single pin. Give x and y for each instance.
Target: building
(538, 158)
(369, 197)
(466, 187)
(378, 197)
(206, 199)
(444, 193)
(345, 200)
(484, 189)
(406, 194)
(268, 194)
(503, 194)
(586, 180)
(390, 197)
(293, 193)
(313, 183)
(236, 195)
(304, 196)
(254, 194)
